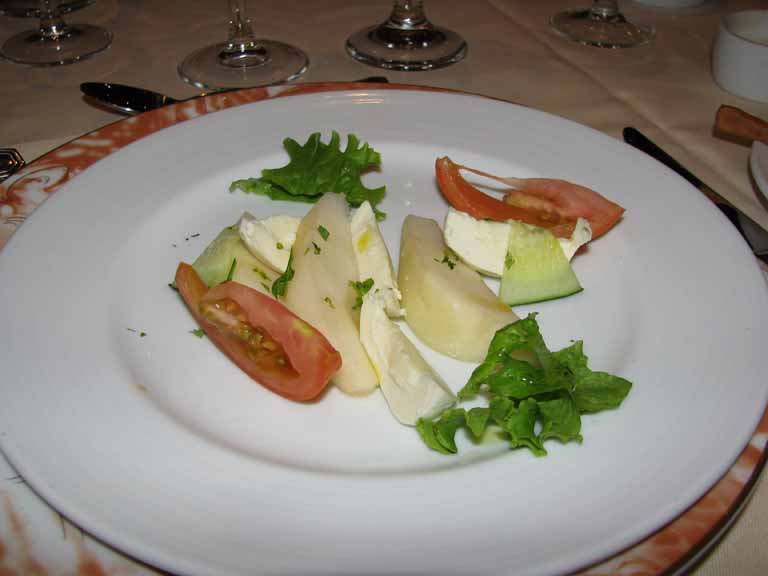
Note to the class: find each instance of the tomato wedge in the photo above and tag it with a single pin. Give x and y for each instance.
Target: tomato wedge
(465, 197)
(547, 203)
(567, 199)
(265, 339)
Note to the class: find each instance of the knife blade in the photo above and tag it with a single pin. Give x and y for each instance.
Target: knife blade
(754, 235)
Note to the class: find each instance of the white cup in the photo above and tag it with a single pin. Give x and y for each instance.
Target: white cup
(740, 54)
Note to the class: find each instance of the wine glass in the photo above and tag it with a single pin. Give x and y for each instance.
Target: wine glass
(602, 25)
(407, 41)
(243, 60)
(55, 42)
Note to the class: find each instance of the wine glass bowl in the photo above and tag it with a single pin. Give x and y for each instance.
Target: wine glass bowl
(243, 60)
(407, 40)
(601, 25)
(55, 42)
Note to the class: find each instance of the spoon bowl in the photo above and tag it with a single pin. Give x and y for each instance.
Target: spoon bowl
(125, 99)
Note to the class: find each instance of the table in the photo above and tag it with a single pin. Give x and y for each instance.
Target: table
(665, 89)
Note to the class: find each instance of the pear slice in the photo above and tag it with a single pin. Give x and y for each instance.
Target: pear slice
(324, 264)
(447, 304)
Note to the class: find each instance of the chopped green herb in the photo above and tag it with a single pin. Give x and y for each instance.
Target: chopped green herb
(323, 232)
(509, 261)
(280, 245)
(142, 334)
(316, 168)
(330, 303)
(280, 285)
(531, 400)
(231, 270)
(362, 288)
(316, 248)
(261, 273)
(199, 332)
(451, 263)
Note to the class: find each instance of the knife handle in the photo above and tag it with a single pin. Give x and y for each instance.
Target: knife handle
(735, 123)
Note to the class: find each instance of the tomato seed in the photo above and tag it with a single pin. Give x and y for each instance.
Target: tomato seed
(229, 317)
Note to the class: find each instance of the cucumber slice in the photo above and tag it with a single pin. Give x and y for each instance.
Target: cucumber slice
(536, 268)
(227, 257)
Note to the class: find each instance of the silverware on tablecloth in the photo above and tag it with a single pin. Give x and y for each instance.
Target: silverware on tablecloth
(10, 161)
(131, 100)
(125, 99)
(755, 236)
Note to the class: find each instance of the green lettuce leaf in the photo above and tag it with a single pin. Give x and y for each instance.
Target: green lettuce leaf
(477, 420)
(445, 428)
(520, 426)
(316, 168)
(440, 434)
(560, 419)
(534, 395)
(592, 391)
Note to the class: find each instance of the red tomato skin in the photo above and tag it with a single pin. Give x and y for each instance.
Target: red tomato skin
(463, 196)
(312, 357)
(570, 200)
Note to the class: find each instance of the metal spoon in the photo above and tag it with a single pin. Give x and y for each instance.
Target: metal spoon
(130, 100)
(10, 162)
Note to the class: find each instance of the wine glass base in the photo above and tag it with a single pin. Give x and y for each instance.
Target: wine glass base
(275, 63)
(31, 8)
(583, 27)
(392, 48)
(75, 43)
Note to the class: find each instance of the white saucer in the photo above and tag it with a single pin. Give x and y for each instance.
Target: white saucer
(758, 164)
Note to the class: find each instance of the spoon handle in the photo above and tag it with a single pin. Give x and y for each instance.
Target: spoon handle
(10, 161)
(735, 123)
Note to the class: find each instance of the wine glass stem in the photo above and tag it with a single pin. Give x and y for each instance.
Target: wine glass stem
(52, 26)
(242, 48)
(408, 15)
(240, 31)
(604, 9)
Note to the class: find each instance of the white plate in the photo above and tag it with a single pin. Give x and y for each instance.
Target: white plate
(758, 164)
(160, 446)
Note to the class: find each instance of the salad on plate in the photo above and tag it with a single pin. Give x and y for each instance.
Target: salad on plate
(301, 304)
